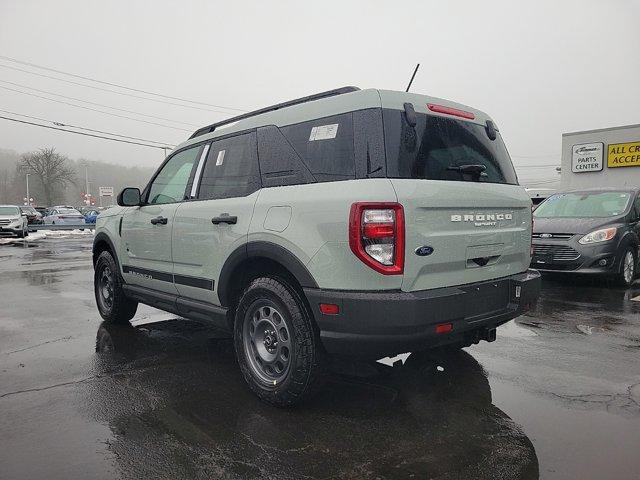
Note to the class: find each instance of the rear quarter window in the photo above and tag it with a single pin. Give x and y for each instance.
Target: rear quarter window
(325, 146)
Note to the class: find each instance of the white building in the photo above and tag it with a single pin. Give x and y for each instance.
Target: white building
(607, 157)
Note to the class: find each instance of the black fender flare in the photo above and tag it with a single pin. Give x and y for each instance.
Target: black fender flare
(103, 237)
(260, 249)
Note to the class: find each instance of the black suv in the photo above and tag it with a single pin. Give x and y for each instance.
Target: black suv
(594, 231)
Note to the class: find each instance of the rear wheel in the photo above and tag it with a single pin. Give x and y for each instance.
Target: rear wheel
(627, 270)
(113, 304)
(275, 342)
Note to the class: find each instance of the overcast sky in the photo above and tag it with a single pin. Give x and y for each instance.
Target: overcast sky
(539, 68)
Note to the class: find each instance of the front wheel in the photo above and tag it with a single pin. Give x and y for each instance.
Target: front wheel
(275, 342)
(628, 264)
(113, 304)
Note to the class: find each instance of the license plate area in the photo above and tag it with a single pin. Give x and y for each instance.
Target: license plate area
(483, 299)
(542, 259)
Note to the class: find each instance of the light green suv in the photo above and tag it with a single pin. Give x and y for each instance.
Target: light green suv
(351, 222)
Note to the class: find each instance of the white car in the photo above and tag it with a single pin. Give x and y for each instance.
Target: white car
(64, 216)
(13, 221)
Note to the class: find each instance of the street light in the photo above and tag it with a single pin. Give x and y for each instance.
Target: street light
(28, 198)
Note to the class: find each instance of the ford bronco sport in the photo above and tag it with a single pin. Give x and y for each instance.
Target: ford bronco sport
(351, 222)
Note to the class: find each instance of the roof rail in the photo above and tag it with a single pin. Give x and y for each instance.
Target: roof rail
(317, 96)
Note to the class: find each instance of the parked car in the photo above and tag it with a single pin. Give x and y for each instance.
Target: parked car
(351, 222)
(13, 221)
(594, 232)
(33, 216)
(41, 210)
(91, 215)
(63, 215)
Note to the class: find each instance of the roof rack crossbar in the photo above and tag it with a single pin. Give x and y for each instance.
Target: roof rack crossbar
(317, 96)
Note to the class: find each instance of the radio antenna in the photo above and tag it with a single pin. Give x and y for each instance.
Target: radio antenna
(412, 77)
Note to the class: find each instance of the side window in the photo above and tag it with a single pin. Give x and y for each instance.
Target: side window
(171, 182)
(325, 146)
(231, 169)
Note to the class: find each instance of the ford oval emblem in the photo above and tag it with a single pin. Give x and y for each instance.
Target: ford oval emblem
(424, 251)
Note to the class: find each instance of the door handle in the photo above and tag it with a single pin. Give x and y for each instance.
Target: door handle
(225, 218)
(159, 220)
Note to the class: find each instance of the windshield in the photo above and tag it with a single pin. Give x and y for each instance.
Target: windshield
(583, 205)
(9, 211)
(440, 148)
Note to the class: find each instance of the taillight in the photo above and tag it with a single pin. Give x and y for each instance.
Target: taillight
(376, 236)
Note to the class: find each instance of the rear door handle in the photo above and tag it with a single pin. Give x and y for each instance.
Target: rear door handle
(159, 220)
(225, 218)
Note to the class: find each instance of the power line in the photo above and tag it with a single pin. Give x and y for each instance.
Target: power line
(60, 124)
(94, 110)
(113, 91)
(29, 64)
(98, 104)
(82, 133)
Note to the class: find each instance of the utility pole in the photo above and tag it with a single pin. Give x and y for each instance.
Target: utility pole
(28, 198)
(86, 181)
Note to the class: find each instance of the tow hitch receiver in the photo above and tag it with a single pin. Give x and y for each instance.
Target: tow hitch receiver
(489, 334)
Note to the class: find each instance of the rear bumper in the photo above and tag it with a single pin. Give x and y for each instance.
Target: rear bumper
(382, 323)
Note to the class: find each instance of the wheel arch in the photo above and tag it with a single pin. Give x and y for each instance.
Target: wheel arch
(102, 242)
(256, 258)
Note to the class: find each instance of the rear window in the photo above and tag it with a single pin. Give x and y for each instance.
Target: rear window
(440, 148)
(583, 205)
(68, 211)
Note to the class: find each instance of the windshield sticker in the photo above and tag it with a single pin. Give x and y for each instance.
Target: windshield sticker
(324, 132)
(220, 158)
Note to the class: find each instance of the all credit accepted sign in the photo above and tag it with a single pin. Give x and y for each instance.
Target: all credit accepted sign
(624, 155)
(587, 157)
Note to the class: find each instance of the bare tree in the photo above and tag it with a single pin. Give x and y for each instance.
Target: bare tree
(50, 168)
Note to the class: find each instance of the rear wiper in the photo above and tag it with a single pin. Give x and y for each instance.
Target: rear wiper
(476, 171)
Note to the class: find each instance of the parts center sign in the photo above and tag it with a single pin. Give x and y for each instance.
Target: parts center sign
(624, 155)
(587, 157)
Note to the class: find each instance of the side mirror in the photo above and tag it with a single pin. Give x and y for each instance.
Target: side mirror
(129, 197)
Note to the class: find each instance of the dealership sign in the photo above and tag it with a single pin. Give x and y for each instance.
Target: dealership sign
(587, 157)
(623, 155)
(106, 191)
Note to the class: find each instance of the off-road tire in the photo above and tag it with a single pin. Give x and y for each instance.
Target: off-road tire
(622, 278)
(120, 309)
(303, 372)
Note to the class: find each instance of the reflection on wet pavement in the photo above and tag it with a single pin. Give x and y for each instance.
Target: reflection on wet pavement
(171, 379)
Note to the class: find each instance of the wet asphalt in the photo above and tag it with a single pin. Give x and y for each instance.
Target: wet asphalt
(557, 395)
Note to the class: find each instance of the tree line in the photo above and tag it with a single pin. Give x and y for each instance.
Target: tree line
(55, 179)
